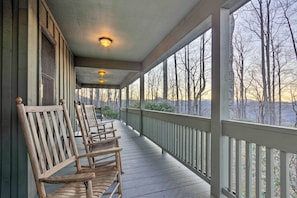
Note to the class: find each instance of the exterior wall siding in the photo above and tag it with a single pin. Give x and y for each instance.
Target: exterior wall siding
(13, 71)
(21, 24)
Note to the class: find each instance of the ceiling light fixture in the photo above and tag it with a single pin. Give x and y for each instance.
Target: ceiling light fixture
(105, 41)
(101, 73)
(101, 80)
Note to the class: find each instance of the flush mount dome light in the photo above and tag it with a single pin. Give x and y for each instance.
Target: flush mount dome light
(101, 73)
(101, 80)
(105, 41)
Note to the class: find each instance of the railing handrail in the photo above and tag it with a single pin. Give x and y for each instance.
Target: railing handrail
(282, 138)
(193, 121)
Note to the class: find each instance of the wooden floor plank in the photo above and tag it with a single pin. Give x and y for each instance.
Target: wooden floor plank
(151, 174)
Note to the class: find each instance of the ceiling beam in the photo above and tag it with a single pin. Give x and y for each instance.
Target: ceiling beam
(130, 78)
(105, 86)
(106, 64)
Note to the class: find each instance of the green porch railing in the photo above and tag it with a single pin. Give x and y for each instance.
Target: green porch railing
(262, 159)
(186, 138)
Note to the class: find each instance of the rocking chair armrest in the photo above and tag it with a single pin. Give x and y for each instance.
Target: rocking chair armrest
(106, 131)
(80, 177)
(102, 132)
(98, 134)
(101, 152)
(100, 124)
(108, 140)
(94, 134)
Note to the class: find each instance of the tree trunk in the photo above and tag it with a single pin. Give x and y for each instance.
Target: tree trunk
(273, 80)
(264, 112)
(294, 42)
(202, 79)
(176, 84)
(188, 78)
(268, 112)
(165, 80)
(91, 96)
(279, 91)
(97, 98)
(231, 71)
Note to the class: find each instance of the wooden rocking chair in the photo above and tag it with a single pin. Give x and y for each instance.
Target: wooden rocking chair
(51, 146)
(104, 128)
(93, 142)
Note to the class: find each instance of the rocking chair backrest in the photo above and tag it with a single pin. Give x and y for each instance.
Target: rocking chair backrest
(95, 126)
(83, 128)
(46, 130)
(90, 116)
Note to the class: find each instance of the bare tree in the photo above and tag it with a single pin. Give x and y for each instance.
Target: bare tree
(115, 94)
(231, 72)
(185, 66)
(91, 95)
(274, 74)
(108, 97)
(294, 106)
(256, 25)
(276, 79)
(200, 83)
(261, 24)
(153, 82)
(188, 69)
(286, 5)
(97, 97)
(267, 52)
(239, 60)
(256, 92)
(176, 85)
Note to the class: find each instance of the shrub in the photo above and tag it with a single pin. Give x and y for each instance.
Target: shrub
(109, 113)
(159, 106)
(156, 106)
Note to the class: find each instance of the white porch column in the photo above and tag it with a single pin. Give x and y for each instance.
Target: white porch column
(141, 101)
(219, 107)
(127, 104)
(120, 104)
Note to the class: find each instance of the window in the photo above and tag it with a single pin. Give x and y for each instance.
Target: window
(48, 71)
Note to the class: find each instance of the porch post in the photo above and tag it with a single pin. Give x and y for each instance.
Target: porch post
(120, 104)
(127, 104)
(141, 101)
(219, 106)
(165, 80)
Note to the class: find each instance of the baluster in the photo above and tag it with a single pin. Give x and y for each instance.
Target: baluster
(269, 173)
(258, 171)
(248, 171)
(231, 157)
(284, 174)
(238, 168)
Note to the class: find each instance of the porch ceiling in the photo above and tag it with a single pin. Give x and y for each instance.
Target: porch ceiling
(135, 26)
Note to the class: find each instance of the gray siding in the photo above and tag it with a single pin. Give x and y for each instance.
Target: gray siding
(20, 31)
(13, 71)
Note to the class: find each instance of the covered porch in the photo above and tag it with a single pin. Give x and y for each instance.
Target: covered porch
(48, 49)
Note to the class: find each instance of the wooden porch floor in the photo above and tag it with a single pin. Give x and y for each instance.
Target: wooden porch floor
(150, 174)
(147, 172)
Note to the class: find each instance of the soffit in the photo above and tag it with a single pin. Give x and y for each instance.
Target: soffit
(135, 26)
